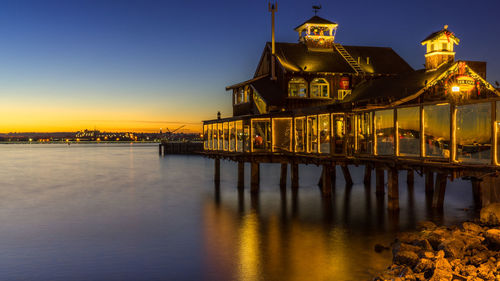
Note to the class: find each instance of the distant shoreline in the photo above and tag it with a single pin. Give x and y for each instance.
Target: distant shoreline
(79, 142)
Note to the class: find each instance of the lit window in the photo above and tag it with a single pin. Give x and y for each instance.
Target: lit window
(445, 46)
(297, 87)
(319, 88)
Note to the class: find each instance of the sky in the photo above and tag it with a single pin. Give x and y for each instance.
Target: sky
(143, 65)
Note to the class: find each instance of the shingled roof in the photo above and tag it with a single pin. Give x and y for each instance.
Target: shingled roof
(382, 60)
(443, 31)
(315, 20)
(396, 87)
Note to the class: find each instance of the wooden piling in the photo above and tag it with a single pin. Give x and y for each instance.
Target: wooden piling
(241, 175)
(410, 177)
(255, 177)
(392, 189)
(429, 182)
(347, 175)
(295, 175)
(368, 175)
(333, 174)
(379, 174)
(284, 170)
(159, 148)
(217, 171)
(326, 186)
(440, 189)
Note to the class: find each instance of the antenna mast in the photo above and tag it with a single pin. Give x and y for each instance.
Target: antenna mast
(273, 8)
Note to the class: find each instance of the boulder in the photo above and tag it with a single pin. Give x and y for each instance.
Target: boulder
(472, 228)
(407, 258)
(490, 215)
(424, 265)
(493, 238)
(426, 225)
(453, 249)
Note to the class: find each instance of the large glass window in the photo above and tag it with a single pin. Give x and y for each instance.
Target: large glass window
(320, 88)
(208, 132)
(365, 135)
(205, 136)
(220, 136)
(384, 131)
(226, 135)
(338, 128)
(300, 131)
(312, 134)
(239, 135)
(297, 87)
(437, 130)
(246, 138)
(282, 137)
(215, 141)
(409, 131)
(261, 131)
(324, 133)
(232, 136)
(474, 133)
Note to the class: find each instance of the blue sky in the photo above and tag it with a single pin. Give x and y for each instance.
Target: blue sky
(143, 65)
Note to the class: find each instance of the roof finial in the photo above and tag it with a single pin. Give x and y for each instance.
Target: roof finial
(316, 8)
(445, 26)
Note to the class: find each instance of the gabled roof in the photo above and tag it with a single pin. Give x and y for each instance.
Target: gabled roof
(445, 31)
(403, 88)
(315, 20)
(394, 88)
(382, 60)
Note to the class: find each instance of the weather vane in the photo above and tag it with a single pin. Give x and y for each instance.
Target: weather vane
(316, 8)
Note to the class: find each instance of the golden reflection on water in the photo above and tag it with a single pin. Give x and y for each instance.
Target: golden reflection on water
(284, 236)
(250, 246)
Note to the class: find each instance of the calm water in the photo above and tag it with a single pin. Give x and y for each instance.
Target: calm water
(106, 212)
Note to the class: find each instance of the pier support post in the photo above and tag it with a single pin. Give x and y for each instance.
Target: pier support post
(159, 147)
(284, 170)
(295, 175)
(255, 177)
(476, 193)
(410, 177)
(333, 174)
(326, 186)
(440, 189)
(347, 175)
(392, 190)
(368, 175)
(217, 171)
(429, 182)
(241, 175)
(379, 174)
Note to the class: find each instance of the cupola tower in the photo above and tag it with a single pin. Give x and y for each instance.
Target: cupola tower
(439, 48)
(317, 33)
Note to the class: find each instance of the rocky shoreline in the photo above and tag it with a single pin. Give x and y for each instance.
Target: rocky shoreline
(468, 251)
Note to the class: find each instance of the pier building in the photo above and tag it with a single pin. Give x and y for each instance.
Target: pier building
(325, 103)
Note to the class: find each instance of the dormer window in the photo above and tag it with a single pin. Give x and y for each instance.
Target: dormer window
(320, 88)
(241, 95)
(297, 87)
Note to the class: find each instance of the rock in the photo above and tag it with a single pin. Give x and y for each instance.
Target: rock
(408, 237)
(479, 258)
(424, 265)
(469, 270)
(379, 248)
(453, 249)
(406, 258)
(441, 275)
(437, 236)
(424, 244)
(428, 255)
(426, 225)
(493, 238)
(472, 228)
(490, 215)
(458, 277)
(485, 271)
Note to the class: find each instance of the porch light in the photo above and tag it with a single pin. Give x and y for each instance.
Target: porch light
(455, 89)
